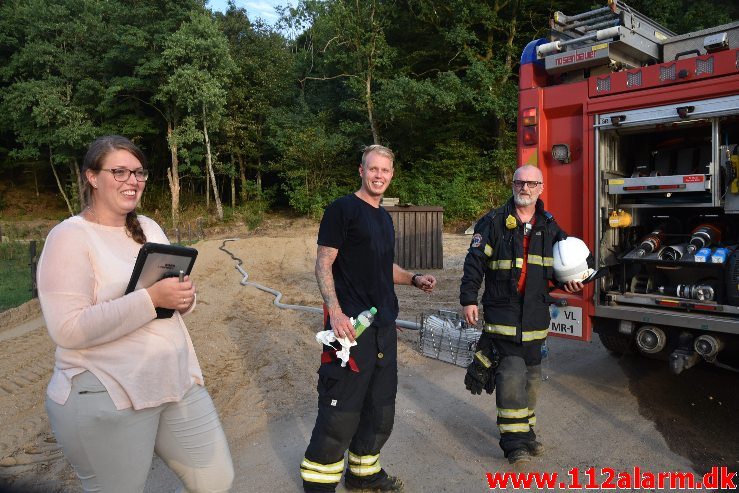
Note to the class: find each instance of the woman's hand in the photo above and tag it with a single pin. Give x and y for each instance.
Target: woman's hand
(173, 294)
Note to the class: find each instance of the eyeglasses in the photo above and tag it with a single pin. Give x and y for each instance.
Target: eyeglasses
(531, 184)
(123, 174)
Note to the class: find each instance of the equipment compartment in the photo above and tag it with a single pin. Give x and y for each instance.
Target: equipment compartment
(669, 191)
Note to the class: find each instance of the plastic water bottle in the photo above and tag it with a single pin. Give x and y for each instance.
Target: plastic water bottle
(544, 359)
(364, 320)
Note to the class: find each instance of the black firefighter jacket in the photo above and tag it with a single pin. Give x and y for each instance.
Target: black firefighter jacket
(496, 254)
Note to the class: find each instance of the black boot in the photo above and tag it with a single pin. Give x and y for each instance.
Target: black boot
(519, 455)
(535, 447)
(383, 483)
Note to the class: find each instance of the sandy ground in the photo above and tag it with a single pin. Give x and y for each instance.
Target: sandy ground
(259, 362)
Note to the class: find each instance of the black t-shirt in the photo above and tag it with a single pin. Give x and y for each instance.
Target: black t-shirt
(363, 269)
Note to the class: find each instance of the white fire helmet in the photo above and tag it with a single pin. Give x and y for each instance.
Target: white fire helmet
(571, 260)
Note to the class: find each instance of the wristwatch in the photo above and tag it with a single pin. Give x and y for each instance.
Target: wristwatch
(413, 279)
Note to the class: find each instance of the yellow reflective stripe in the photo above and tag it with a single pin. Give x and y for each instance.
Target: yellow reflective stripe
(534, 260)
(505, 264)
(488, 250)
(539, 260)
(510, 330)
(506, 330)
(514, 428)
(365, 470)
(362, 459)
(483, 359)
(533, 335)
(499, 265)
(335, 467)
(532, 420)
(514, 413)
(317, 477)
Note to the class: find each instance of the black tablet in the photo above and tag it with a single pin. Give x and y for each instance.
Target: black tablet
(157, 261)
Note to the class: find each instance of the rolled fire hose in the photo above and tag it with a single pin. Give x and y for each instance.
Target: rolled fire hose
(278, 295)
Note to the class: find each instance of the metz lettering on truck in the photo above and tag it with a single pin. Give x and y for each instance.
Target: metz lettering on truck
(575, 57)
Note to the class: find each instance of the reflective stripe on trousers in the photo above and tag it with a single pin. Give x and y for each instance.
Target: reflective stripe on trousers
(516, 389)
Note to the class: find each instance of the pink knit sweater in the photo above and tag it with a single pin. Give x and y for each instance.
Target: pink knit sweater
(82, 274)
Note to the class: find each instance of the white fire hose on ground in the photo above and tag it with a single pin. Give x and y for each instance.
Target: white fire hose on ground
(278, 295)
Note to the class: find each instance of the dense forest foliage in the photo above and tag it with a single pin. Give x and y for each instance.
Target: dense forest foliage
(236, 114)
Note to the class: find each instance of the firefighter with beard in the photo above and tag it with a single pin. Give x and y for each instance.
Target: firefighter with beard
(512, 251)
(355, 270)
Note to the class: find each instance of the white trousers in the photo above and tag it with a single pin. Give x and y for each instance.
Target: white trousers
(111, 450)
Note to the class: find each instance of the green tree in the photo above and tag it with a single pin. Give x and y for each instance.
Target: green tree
(262, 81)
(456, 80)
(50, 98)
(201, 66)
(135, 104)
(346, 42)
(311, 158)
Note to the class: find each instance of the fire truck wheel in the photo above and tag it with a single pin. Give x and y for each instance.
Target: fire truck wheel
(615, 342)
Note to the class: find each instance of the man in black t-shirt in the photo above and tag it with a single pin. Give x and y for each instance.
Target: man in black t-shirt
(355, 270)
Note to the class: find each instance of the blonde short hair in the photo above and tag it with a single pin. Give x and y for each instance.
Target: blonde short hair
(379, 149)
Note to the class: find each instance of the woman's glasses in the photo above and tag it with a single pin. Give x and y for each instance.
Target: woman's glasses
(123, 174)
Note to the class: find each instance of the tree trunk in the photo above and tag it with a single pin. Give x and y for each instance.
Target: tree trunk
(78, 181)
(370, 114)
(209, 164)
(368, 79)
(233, 188)
(173, 177)
(512, 28)
(59, 183)
(207, 190)
(242, 179)
(259, 175)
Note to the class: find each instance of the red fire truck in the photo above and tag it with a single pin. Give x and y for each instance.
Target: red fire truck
(636, 131)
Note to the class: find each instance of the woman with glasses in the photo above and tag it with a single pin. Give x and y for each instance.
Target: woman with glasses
(125, 384)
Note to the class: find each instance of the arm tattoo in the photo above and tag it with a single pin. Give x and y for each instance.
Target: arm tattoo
(324, 275)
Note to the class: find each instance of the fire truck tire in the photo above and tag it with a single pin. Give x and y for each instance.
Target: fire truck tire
(616, 344)
(614, 341)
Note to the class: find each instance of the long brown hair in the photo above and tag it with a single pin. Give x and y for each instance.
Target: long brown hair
(96, 153)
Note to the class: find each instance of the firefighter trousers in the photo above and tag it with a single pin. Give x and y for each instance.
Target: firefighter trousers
(356, 410)
(517, 383)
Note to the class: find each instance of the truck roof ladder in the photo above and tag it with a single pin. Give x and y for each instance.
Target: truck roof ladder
(615, 36)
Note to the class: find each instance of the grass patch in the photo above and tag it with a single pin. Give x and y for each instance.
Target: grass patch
(15, 281)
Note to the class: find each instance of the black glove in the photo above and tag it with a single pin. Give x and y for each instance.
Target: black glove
(481, 372)
(490, 384)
